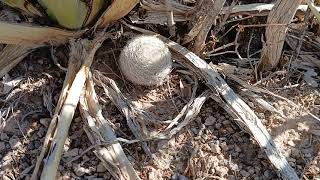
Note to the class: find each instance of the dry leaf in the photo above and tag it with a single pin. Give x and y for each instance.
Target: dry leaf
(117, 10)
(8, 84)
(12, 33)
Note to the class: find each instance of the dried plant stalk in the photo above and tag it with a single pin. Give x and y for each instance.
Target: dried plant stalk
(65, 116)
(73, 67)
(22, 34)
(211, 12)
(113, 157)
(246, 115)
(278, 18)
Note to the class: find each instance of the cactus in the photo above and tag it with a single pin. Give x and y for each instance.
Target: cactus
(146, 60)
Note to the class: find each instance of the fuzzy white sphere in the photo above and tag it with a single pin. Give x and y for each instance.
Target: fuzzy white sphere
(145, 60)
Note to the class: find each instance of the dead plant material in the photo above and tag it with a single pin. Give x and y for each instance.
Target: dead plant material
(157, 12)
(73, 68)
(11, 55)
(25, 34)
(117, 10)
(261, 9)
(282, 13)
(309, 43)
(58, 129)
(252, 90)
(112, 156)
(244, 113)
(170, 20)
(137, 126)
(191, 112)
(26, 6)
(210, 12)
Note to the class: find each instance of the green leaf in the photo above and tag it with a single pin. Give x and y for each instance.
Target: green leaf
(70, 14)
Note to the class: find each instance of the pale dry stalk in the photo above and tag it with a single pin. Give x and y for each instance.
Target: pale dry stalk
(282, 13)
(67, 111)
(112, 156)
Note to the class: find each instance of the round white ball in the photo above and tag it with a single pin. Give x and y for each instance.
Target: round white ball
(145, 60)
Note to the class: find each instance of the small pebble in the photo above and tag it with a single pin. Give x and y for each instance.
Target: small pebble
(234, 166)
(15, 143)
(218, 125)
(178, 176)
(244, 173)
(291, 143)
(71, 153)
(232, 177)
(226, 122)
(215, 149)
(4, 136)
(101, 168)
(308, 155)
(224, 146)
(221, 171)
(2, 146)
(267, 174)
(77, 119)
(80, 171)
(220, 157)
(210, 121)
(251, 171)
(45, 121)
(237, 148)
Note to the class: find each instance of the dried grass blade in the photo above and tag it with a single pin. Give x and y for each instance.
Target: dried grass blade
(117, 10)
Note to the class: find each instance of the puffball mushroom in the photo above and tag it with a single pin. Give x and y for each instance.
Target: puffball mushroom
(145, 60)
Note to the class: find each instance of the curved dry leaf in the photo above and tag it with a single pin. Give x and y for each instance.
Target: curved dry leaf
(11, 55)
(23, 5)
(117, 10)
(24, 34)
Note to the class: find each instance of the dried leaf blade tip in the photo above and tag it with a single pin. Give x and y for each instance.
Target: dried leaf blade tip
(146, 60)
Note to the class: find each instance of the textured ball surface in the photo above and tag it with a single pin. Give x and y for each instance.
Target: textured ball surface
(145, 60)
